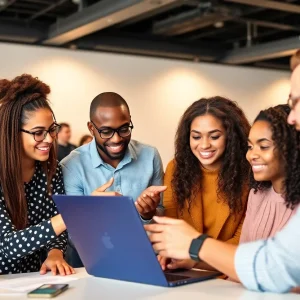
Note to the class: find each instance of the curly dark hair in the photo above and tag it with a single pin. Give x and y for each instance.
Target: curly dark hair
(287, 146)
(18, 99)
(234, 173)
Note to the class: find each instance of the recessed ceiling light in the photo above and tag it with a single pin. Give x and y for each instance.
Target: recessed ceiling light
(219, 24)
(3, 2)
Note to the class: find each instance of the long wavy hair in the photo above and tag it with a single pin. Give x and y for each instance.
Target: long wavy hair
(287, 146)
(18, 98)
(234, 173)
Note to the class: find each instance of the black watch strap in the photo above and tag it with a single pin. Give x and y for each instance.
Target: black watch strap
(196, 246)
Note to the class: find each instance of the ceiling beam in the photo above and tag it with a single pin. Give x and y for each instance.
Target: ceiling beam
(242, 20)
(150, 14)
(20, 32)
(259, 36)
(198, 18)
(212, 32)
(98, 16)
(276, 5)
(140, 45)
(188, 22)
(226, 28)
(46, 10)
(268, 24)
(264, 51)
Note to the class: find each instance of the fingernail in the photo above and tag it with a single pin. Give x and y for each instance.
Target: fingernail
(144, 195)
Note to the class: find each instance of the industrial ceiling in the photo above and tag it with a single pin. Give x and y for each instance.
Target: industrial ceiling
(258, 33)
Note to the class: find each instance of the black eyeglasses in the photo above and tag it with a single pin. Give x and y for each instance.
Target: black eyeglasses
(40, 135)
(292, 102)
(108, 132)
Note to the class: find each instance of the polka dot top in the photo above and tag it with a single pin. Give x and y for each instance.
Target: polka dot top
(24, 250)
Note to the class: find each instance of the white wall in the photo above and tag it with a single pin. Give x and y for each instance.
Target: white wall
(157, 90)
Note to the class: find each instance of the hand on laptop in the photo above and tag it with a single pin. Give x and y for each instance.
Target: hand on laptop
(148, 201)
(101, 191)
(171, 237)
(163, 261)
(172, 264)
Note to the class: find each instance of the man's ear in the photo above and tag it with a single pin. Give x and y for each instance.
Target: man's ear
(91, 128)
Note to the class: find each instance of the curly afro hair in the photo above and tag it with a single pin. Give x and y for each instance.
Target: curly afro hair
(287, 146)
(234, 173)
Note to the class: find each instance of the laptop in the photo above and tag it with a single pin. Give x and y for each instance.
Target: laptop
(112, 243)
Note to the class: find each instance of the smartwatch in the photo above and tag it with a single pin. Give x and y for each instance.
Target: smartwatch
(196, 246)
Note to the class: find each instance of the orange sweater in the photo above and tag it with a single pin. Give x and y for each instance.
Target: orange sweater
(206, 214)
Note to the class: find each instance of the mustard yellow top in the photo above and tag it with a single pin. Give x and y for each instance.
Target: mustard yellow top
(206, 213)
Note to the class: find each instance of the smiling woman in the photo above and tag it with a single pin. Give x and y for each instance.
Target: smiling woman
(273, 152)
(208, 181)
(30, 225)
(36, 145)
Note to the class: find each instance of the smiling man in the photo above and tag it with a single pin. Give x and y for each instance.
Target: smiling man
(129, 167)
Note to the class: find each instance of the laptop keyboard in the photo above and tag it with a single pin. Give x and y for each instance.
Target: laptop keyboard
(173, 277)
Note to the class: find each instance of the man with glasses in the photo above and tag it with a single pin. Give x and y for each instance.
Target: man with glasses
(112, 159)
(271, 265)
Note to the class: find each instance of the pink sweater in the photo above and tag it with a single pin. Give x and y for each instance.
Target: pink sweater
(266, 214)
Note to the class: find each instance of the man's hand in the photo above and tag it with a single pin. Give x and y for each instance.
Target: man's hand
(171, 237)
(101, 191)
(148, 201)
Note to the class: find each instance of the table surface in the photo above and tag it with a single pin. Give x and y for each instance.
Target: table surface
(89, 287)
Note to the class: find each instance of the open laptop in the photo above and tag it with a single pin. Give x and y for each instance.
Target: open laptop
(112, 243)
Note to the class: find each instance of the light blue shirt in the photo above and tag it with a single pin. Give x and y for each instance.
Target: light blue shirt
(84, 170)
(271, 265)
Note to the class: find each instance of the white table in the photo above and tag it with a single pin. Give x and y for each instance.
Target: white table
(90, 288)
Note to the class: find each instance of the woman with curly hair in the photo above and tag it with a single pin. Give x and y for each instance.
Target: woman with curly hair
(274, 154)
(32, 233)
(208, 180)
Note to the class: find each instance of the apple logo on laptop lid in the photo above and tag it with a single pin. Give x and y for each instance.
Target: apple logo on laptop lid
(106, 240)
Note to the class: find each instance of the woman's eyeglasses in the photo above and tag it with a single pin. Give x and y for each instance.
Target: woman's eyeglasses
(40, 135)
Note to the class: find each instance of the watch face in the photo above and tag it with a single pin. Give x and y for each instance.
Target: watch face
(196, 246)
